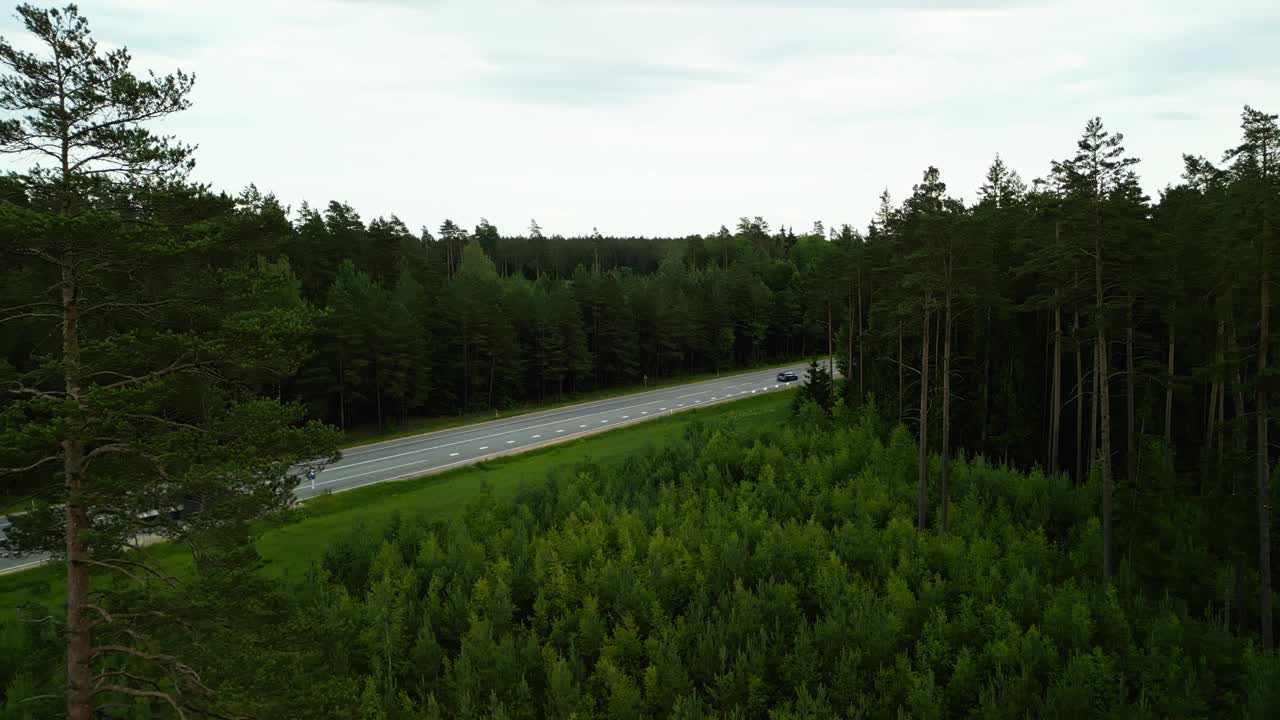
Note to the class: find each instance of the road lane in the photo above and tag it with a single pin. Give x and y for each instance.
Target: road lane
(446, 449)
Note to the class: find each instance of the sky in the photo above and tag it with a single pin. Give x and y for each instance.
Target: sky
(658, 117)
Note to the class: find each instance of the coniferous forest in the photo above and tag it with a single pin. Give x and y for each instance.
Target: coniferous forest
(1040, 485)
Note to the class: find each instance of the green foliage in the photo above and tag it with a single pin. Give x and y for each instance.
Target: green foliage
(770, 573)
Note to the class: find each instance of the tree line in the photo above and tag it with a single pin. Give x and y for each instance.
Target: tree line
(163, 344)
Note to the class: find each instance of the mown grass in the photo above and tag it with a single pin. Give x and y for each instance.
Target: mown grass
(416, 426)
(290, 549)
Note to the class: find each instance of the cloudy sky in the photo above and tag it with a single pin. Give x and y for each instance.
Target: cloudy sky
(660, 117)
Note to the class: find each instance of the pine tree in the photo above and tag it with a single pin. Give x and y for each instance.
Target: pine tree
(110, 407)
(1256, 165)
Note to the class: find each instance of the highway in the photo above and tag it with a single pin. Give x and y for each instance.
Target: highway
(438, 451)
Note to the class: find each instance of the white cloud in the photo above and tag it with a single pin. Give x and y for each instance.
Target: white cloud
(668, 118)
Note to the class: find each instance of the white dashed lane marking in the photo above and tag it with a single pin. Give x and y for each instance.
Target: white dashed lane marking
(453, 454)
(511, 442)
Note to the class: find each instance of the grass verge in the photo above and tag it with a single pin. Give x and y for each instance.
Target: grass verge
(291, 548)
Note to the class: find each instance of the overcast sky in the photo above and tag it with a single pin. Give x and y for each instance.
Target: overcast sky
(669, 118)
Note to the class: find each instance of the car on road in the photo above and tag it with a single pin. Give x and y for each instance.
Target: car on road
(787, 376)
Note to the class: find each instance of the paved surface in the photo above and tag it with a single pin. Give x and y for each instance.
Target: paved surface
(437, 451)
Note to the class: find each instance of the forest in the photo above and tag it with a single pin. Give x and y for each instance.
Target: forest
(1043, 485)
(737, 574)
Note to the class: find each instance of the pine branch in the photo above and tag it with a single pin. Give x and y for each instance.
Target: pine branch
(29, 315)
(138, 379)
(167, 697)
(32, 466)
(116, 563)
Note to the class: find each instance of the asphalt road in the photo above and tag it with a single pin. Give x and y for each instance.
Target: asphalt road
(438, 451)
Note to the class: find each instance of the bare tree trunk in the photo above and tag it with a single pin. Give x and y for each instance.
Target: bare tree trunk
(1081, 472)
(1055, 423)
(923, 509)
(946, 402)
(79, 696)
(1104, 407)
(1263, 464)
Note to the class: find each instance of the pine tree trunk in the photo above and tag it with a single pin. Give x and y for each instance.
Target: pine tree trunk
(831, 352)
(466, 370)
(923, 509)
(1081, 472)
(1237, 381)
(900, 388)
(1046, 387)
(1093, 410)
(377, 391)
(1263, 464)
(1104, 420)
(946, 403)
(848, 358)
(493, 363)
(862, 393)
(1222, 420)
(1055, 424)
(342, 393)
(1131, 461)
(986, 383)
(1211, 427)
(1168, 388)
(79, 694)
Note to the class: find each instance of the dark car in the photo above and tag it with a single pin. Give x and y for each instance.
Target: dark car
(787, 376)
